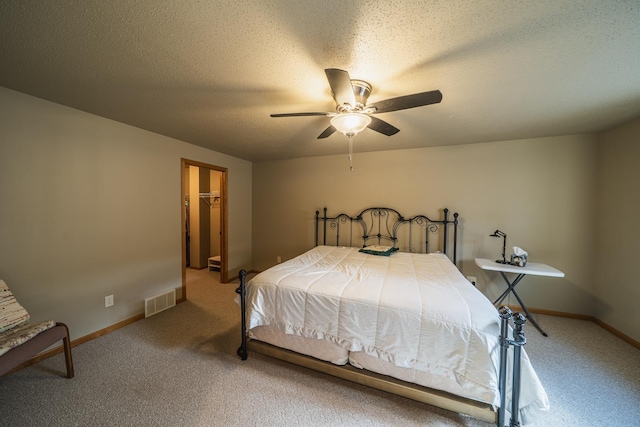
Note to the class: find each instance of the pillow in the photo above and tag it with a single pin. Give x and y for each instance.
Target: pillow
(378, 250)
(12, 313)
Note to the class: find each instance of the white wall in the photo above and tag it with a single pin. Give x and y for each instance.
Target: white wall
(617, 283)
(541, 192)
(90, 207)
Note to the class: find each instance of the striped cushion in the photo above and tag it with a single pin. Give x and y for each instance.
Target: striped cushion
(21, 334)
(12, 313)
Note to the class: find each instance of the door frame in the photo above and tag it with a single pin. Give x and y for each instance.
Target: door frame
(224, 242)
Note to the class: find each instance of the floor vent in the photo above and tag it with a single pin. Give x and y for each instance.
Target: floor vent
(155, 305)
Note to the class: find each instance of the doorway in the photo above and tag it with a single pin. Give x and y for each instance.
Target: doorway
(204, 218)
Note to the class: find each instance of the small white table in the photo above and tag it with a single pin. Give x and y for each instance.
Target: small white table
(531, 268)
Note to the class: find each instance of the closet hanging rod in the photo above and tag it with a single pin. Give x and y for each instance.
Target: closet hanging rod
(207, 196)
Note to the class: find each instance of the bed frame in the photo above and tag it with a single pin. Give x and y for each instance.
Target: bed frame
(386, 226)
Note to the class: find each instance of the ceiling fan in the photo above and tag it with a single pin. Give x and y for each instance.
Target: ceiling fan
(353, 114)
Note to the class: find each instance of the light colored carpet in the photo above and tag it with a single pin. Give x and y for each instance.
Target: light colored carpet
(179, 368)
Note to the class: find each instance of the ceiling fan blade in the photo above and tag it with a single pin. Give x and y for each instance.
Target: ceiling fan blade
(300, 114)
(382, 127)
(327, 132)
(407, 101)
(341, 87)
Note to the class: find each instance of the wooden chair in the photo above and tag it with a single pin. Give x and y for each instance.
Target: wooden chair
(20, 340)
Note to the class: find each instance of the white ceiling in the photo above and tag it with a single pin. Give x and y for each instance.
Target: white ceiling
(210, 72)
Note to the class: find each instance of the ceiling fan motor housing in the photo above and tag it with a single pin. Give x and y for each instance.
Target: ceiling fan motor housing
(361, 91)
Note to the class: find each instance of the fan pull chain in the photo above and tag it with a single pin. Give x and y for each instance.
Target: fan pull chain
(351, 153)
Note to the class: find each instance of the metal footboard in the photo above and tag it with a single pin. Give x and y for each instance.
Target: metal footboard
(517, 342)
(243, 352)
(505, 342)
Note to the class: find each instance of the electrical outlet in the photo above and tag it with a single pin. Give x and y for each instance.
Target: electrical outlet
(472, 279)
(278, 259)
(108, 301)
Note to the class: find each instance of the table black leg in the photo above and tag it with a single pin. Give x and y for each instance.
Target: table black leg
(511, 288)
(529, 316)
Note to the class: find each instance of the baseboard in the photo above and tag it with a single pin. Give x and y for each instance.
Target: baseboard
(114, 327)
(106, 330)
(554, 313)
(623, 337)
(57, 350)
(603, 325)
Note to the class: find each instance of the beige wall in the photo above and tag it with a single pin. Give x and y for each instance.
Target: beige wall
(617, 283)
(541, 192)
(81, 219)
(90, 207)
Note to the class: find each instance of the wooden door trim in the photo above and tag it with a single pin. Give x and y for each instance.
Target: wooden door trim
(224, 220)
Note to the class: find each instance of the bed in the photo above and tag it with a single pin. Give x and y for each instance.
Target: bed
(379, 300)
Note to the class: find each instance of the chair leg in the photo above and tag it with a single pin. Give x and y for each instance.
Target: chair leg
(66, 345)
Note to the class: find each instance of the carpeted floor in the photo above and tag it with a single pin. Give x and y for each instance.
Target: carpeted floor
(179, 368)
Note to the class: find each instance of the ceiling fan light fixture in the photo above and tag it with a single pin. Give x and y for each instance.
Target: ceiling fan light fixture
(350, 124)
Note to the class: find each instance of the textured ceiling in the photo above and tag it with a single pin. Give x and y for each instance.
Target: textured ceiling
(210, 73)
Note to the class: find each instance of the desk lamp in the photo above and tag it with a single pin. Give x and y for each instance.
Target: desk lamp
(499, 233)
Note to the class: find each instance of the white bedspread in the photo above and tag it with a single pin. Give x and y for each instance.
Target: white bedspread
(413, 310)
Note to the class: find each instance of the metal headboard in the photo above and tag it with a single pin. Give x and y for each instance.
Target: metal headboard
(386, 226)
